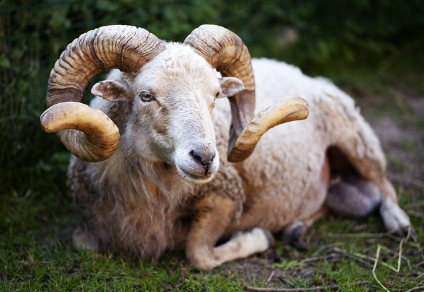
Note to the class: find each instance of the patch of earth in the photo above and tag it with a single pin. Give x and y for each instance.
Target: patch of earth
(403, 144)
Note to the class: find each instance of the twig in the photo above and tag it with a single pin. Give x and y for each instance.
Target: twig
(400, 256)
(375, 266)
(314, 259)
(285, 280)
(356, 256)
(316, 288)
(270, 277)
(356, 235)
(416, 289)
(404, 240)
(413, 244)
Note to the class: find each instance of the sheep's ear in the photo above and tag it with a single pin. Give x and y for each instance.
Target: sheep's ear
(230, 86)
(112, 90)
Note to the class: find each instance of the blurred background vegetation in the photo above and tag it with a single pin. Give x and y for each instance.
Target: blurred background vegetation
(351, 42)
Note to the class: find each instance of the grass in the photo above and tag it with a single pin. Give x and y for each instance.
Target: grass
(36, 254)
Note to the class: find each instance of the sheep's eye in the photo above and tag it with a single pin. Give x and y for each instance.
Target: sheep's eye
(146, 96)
(217, 94)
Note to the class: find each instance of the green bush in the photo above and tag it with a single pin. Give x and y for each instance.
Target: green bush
(322, 37)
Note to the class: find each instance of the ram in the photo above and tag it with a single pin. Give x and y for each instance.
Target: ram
(150, 170)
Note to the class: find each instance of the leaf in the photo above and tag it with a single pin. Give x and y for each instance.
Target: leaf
(4, 62)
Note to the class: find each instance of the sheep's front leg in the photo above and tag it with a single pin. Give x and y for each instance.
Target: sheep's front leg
(214, 213)
(294, 233)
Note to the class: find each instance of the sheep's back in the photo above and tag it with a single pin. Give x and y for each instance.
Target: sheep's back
(287, 161)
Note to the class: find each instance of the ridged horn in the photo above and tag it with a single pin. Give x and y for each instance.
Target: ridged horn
(283, 111)
(226, 52)
(89, 134)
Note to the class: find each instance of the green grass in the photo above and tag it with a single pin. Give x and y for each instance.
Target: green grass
(36, 254)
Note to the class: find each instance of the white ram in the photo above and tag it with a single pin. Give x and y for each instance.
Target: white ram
(153, 182)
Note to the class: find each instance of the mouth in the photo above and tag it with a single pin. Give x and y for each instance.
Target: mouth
(194, 178)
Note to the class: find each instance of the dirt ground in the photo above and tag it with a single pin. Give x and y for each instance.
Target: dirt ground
(401, 131)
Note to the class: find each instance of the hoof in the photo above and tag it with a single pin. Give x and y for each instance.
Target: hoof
(405, 232)
(294, 235)
(395, 219)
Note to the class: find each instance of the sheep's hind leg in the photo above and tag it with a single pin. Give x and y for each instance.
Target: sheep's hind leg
(395, 219)
(362, 155)
(353, 196)
(214, 215)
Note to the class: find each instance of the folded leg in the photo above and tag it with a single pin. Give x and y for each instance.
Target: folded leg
(214, 214)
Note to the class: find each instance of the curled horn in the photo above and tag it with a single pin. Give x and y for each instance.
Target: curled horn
(283, 111)
(89, 134)
(226, 52)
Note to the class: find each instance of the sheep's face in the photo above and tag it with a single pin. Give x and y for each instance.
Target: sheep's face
(171, 121)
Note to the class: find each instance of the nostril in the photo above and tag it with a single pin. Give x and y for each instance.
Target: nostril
(196, 156)
(205, 159)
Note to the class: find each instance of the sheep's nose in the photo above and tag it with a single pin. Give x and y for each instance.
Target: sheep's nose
(205, 159)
